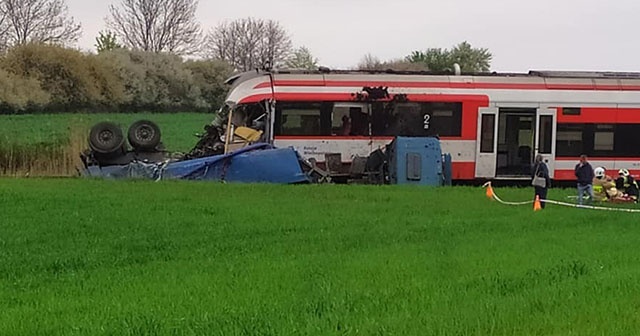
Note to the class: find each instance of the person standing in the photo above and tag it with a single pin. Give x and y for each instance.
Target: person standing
(540, 179)
(584, 174)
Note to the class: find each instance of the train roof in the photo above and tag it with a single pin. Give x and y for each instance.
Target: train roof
(531, 74)
(557, 87)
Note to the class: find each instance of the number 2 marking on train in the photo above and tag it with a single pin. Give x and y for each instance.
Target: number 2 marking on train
(426, 121)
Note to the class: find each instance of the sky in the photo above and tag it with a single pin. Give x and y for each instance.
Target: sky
(522, 35)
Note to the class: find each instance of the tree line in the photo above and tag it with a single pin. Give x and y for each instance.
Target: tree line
(42, 78)
(155, 56)
(469, 59)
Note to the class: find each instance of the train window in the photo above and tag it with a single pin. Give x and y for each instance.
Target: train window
(443, 119)
(301, 119)
(390, 119)
(598, 140)
(488, 134)
(626, 140)
(380, 119)
(417, 119)
(603, 141)
(603, 138)
(410, 120)
(350, 119)
(340, 120)
(569, 140)
(546, 132)
(571, 111)
(359, 118)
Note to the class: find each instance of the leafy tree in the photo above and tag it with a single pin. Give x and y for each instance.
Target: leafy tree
(301, 58)
(157, 25)
(370, 62)
(36, 21)
(249, 43)
(107, 41)
(470, 59)
(434, 59)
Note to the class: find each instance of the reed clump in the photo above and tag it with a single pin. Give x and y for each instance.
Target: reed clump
(58, 157)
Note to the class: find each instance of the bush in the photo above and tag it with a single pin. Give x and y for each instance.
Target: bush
(19, 94)
(40, 77)
(111, 88)
(163, 82)
(72, 79)
(209, 76)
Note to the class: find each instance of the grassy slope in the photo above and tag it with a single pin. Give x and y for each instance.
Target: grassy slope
(171, 258)
(177, 129)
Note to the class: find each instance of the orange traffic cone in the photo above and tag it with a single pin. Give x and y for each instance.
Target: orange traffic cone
(536, 204)
(490, 192)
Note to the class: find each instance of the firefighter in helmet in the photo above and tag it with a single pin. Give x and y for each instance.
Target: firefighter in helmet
(604, 187)
(626, 183)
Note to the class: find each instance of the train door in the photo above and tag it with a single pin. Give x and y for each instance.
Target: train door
(545, 139)
(510, 138)
(516, 142)
(486, 149)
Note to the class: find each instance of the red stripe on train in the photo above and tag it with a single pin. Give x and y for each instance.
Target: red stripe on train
(568, 174)
(601, 115)
(343, 138)
(598, 158)
(337, 96)
(463, 170)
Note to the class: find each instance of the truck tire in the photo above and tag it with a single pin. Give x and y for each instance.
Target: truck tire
(144, 135)
(105, 138)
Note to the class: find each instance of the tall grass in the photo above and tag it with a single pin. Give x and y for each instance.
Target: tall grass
(58, 157)
(90, 257)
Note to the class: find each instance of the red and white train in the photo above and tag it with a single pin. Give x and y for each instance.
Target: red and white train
(492, 124)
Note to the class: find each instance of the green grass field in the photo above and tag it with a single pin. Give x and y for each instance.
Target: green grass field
(177, 129)
(89, 257)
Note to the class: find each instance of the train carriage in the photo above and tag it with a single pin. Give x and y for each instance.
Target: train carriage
(493, 124)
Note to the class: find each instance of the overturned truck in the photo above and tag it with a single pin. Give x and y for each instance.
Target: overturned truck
(144, 156)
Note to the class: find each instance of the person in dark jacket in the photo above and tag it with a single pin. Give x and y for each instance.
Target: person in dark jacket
(540, 169)
(584, 173)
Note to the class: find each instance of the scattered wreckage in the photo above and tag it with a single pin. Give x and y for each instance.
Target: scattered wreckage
(247, 157)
